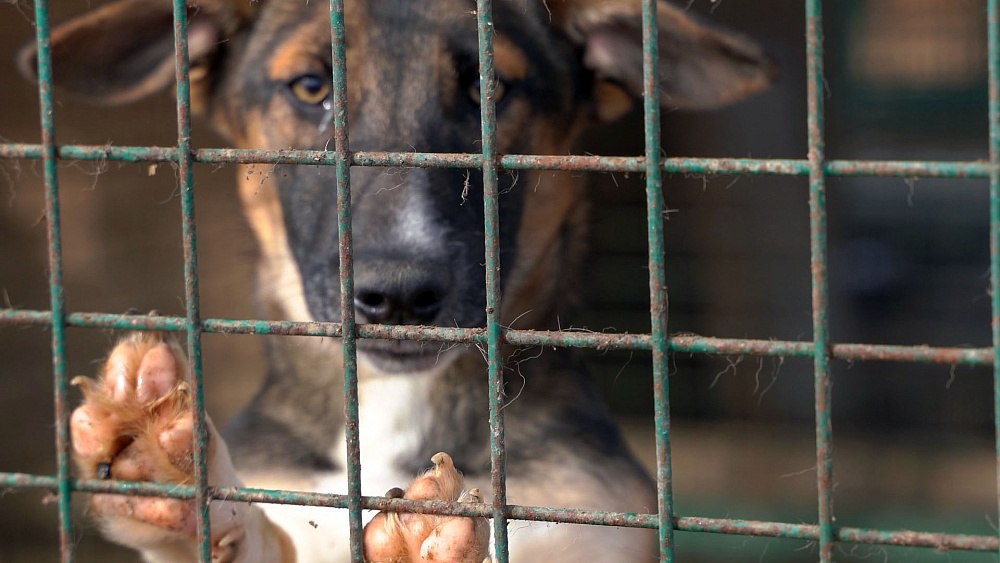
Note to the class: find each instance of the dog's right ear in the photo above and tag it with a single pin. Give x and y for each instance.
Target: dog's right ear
(124, 51)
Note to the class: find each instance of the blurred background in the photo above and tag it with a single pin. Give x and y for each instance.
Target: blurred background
(909, 264)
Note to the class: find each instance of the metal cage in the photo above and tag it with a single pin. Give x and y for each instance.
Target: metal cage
(658, 343)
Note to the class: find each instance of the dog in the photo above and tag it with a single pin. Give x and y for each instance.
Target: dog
(260, 74)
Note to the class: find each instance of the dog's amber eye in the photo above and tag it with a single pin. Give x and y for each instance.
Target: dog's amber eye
(475, 91)
(310, 89)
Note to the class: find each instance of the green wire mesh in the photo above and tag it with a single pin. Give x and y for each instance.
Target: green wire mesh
(657, 342)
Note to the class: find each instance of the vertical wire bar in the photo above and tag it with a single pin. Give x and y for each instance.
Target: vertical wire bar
(658, 301)
(185, 177)
(56, 297)
(993, 42)
(820, 300)
(343, 172)
(498, 455)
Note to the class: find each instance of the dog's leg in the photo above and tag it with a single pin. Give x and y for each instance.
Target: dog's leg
(135, 424)
(400, 538)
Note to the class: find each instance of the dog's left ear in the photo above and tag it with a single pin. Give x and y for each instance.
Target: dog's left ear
(701, 65)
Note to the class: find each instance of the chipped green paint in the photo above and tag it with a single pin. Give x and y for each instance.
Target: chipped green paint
(818, 266)
(494, 334)
(57, 300)
(659, 339)
(192, 324)
(706, 166)
(729, 526)
(687, 343)
(342, 166)
(993, 44)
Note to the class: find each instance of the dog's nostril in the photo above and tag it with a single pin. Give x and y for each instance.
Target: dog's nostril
(372, 299)
(373, 305)
(426, 304)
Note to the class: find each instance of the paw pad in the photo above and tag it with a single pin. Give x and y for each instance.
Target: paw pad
(402, 538)
(135, 421)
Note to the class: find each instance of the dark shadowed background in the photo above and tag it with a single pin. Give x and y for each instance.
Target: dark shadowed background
(909, 260)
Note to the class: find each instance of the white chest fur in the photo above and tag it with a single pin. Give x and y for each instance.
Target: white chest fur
(393, 418)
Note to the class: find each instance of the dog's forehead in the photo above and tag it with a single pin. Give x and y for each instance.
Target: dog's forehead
(443, 14)
(394, 26)
(410, 63)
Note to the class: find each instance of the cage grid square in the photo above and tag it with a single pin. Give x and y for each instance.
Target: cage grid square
(657, 342)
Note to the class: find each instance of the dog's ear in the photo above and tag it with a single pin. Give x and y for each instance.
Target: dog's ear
(701, 66)
(124, 51)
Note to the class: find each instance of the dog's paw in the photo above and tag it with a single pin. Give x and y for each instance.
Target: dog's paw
(402, 538)
(136, 424)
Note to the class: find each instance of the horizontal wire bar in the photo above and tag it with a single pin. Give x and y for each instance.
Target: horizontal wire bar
(562, 339)
(776, 167)
(729, 526)
(901, 538)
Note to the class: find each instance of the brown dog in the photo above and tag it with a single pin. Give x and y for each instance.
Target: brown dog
(260, 74)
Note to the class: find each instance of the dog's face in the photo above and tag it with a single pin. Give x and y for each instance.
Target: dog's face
(413, 86)
(261, 74)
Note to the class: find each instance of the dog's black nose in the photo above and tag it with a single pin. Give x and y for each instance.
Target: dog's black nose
(421, 307)
(387, 294)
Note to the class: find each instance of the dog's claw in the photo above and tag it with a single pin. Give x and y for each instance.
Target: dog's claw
(104, 470)
(402, 538)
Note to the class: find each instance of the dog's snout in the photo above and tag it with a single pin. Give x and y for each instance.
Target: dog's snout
(387, 293)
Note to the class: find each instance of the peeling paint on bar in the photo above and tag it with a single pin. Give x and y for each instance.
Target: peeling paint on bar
(57, 301)
(676, 165)
(941, 542)
(819, 264)
(658, 302)
(342, 161)
(993, 44)
(193, 329)
(692, 344)
(958, 542)
(491, 230)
